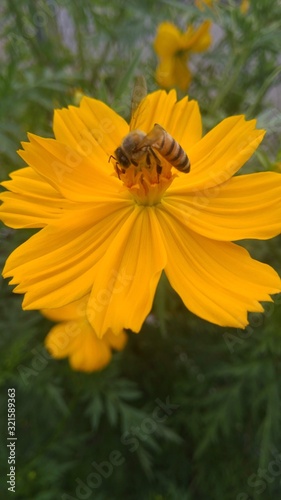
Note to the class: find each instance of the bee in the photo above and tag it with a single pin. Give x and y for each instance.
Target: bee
(158, 138)
(137, 145)
(127, 154)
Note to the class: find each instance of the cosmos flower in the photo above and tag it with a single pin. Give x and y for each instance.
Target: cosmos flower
(173, 48)
(75, 338)
(110, 232)
(202, 4)
(244, 6)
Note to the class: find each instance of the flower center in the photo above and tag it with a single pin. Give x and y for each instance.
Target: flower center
(146, 177)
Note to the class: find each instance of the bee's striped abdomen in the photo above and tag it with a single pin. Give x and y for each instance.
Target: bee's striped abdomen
(172, 151)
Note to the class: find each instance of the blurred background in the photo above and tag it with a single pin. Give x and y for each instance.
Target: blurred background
(188, 410)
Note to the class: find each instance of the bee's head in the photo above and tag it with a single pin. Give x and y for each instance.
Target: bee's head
(121, 157)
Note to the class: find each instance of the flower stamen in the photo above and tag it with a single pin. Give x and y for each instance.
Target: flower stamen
(148, 180)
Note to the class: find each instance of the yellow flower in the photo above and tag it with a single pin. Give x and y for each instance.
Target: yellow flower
(244, 6)
(201, 4)
(173, 49)
(111, 232)
(75, 338)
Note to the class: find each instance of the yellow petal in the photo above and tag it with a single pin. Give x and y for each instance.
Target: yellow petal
(107, 126)
(27, 182)
(165, 73)
(219, 154)
(128, 274)
(216, 280)
(57, 265)
(173, 72)
(31, 202)
(89, 353)
(246, 206)
(59, 340)
(181, 119)
(74, 337)
(92, 129)
(78, 341)
(197, 40)
(71, 173)
(182, 74)
(18, 213)
(244, 6)
(155, 107)
(70, 312)
(114, 341)
(167, 40)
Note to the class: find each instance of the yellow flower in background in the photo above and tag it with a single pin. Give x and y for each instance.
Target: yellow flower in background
(74, 337)
(173, 48)
(244, 6)
(201, 4)
(110, 231)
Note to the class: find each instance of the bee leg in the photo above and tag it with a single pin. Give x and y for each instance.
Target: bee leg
(148, 161)
(158, 170)
(119, 170)
(158, 163)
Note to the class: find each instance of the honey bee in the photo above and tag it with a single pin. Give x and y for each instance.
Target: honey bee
(137, 144)
(128, 153)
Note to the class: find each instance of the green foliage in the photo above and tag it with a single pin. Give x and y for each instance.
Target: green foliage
(188, 410)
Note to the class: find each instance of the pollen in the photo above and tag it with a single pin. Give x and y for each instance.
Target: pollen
(148, 181)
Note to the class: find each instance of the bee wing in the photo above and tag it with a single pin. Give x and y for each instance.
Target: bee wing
(138, 94)
(152, 138)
